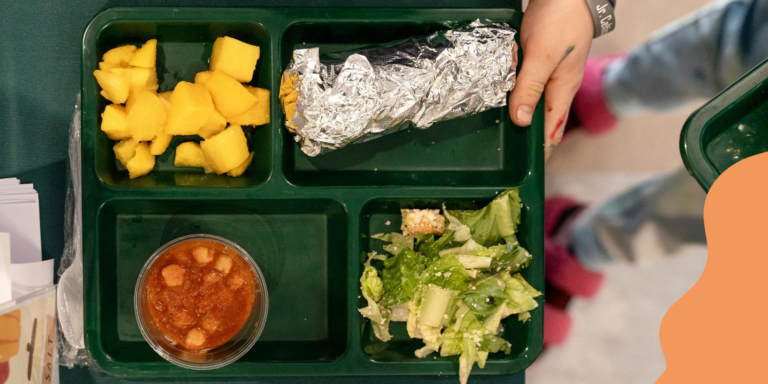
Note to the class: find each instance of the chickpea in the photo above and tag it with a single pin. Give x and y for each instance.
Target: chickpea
(210, 324)
(181, 319)
(236, 280)
(174, 275)
(203, 255)
(195, 338)
(212, 278)
(223, 264)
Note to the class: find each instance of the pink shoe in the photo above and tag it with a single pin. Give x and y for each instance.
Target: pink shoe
(557, 325)
(590, 109)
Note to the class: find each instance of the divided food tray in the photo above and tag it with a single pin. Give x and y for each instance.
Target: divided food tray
(306, 221)
(728, 129)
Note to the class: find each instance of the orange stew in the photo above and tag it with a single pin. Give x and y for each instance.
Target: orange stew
(200, 293)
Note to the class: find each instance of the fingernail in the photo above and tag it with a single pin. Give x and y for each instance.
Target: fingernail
(524, 115)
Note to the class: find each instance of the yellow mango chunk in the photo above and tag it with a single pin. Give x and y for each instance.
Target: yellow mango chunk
(235, 58)
(114, 122)
(191, 107)
(240, 169)
(104, 66)
(190, 154)
(227, 150)
(120, 55)
(144, 79)
(146, 56)
(229, 96)
(165, 97)
(125, 150)
(216, 123)
(160, 143)
(202, 77)
(259, 113)
(131, 101)
(146, 117)
(142, 163)
(114, 86)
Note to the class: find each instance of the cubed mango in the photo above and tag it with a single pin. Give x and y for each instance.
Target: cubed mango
(125, 150)
(114, 122)
(190, 154)
(142, 163)
(216, 123)
(227, 150)
(146, 117)
(114, 86)
(143, 79)
(120, 55)
(235, 58)
(191, 107)
(160, 143)
(146, 56)
(105, 66)
(230, 97)
(240, 169)
(259, 113)
(165, 97)
(202, 77)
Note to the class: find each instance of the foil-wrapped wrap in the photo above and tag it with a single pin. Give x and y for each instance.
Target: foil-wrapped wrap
(334, 100)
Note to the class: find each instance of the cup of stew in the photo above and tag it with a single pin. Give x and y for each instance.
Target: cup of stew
(201, 302)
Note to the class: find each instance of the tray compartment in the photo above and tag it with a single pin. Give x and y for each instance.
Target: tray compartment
(184, 49)
(373, 219)
(481, 150)
(292, 241)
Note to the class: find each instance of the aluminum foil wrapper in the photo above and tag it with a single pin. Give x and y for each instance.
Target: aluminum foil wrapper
(334, 100)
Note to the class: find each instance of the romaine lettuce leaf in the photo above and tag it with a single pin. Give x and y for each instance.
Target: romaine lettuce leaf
(446, 272)
(401, 277)
(397, 241)
(491, 344)
(435, 305)
(461, 232)
(512, 260)
(520, 295)
(485, 298)
(379, 320)
(467, 359)
(371, 284)
(472, 248)
(496, 222)
(431, 248)
(474, 262)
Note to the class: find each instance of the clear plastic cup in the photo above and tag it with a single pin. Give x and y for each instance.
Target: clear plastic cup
(213, 358)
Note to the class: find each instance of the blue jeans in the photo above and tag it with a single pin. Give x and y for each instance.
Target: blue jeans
(694, 58)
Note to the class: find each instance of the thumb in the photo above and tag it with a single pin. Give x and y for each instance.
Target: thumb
(531, 82)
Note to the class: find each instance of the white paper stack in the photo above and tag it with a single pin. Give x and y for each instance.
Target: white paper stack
(22, 269)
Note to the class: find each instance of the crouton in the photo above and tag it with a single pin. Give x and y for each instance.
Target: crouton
(423, 221)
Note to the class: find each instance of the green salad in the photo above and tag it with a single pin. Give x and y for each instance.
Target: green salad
(454, 288)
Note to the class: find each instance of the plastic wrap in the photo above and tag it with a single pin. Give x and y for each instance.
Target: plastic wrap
(71, 345)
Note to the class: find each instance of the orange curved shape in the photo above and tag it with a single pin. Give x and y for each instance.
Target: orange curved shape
(718, 331)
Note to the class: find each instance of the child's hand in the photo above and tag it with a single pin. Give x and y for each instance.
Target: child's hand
(555, 36)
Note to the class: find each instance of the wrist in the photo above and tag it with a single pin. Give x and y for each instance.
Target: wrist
(603, 16)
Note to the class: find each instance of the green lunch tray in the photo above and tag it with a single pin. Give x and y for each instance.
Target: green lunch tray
(728, 129)
(306, 221)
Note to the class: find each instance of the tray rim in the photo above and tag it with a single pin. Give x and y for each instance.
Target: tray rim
(692, 145)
